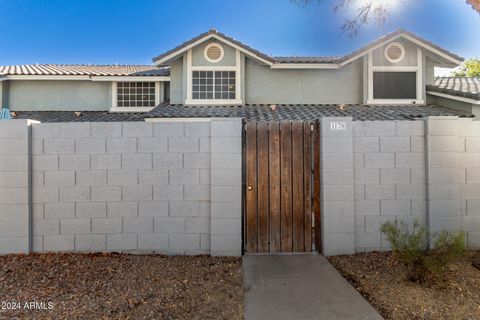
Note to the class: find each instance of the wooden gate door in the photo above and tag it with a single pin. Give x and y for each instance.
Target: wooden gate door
(282, 186)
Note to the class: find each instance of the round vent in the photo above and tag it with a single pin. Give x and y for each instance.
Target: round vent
(394, 52)
(213, 52)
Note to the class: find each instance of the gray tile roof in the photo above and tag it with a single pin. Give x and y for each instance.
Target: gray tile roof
(251, 112)
(85, 70)
(466, 87)
(303, 112)
(314, 59)
(213, 31)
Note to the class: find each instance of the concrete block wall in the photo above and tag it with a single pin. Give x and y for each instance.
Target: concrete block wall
(133, 186)
(226, 183)
(389, 178)
(454, 176)
(14, 186)
(338, 223)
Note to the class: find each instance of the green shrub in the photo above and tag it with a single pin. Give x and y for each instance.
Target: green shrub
(409, 244)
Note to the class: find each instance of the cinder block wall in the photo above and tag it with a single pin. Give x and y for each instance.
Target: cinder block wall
(389, 178)
(14, 186)
(132, 187)
(454, 176)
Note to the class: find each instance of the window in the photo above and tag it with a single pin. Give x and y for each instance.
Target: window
(394, 52)
(209, 85)
(136, 94)
(394, 85)
(213, 52)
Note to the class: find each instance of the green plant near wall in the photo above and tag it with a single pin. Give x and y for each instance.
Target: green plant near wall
(409, 244)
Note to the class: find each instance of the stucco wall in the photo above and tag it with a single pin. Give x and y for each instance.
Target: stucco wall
(55, 95)
(176, 82)
(265, 85)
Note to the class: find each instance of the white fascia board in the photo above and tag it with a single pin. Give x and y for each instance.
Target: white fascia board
(201, 40)
(47, 77)
(396, 102)
(202, 102)
(177, 119)
(406, 36)
(130, 109)
(449, 96)
(130, 78)
(305, 66)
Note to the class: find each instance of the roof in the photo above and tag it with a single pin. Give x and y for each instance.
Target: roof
(395, 34)
(316, 59)
(210, 33)
(466, 87)
(85, 70)
(261, 112)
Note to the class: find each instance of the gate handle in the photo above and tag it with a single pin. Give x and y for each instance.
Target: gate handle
(250, 188)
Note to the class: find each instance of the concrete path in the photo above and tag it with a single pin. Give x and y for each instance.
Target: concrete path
(299, 287)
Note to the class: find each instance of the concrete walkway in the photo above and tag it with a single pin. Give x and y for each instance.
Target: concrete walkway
(299, 287)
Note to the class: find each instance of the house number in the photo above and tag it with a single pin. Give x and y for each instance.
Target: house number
(338, 125)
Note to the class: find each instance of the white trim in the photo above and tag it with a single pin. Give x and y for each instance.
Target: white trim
(420, 85)
(114, 94)
(238, 75)
(201, 40)
(47, 77)
(213, 68)
(402, 52)
(395, 68)
(395, 101)
(452, 97)
(3, 79)
(178, 120)
(88, 78)
(208, 46)
(420, 43)
(131, 109)
(213, 102)
(305, 66)
(157, 93)
(130, 78)
(370, 76)
(189, 74)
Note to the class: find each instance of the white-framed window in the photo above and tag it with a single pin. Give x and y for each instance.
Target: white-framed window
(396, 84)
(136, 94)
(208, 85)
(132, 96)
(213, 52)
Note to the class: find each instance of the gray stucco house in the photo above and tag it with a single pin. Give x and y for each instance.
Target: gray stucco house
(218, 148)
(214, 69)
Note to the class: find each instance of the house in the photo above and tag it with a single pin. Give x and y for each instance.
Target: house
(221, 149)
(215, 69)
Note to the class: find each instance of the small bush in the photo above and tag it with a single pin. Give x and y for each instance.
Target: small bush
(409, 245)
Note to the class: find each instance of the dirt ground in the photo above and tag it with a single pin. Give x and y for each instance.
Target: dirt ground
(115, 286)
(381, 279)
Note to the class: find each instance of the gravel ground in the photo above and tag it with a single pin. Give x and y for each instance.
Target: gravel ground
(381, 279)
(115, 286)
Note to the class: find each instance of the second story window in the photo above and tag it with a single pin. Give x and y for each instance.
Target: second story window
(213, 85)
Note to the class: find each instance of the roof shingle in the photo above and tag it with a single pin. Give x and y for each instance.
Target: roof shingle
(466, 87)
(85, 70)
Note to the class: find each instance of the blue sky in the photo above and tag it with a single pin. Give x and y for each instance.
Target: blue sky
(132, 32)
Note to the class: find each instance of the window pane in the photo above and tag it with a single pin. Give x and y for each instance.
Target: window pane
(394, 85)
(136, 94)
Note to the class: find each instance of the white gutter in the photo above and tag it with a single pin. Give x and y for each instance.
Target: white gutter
(449, 96)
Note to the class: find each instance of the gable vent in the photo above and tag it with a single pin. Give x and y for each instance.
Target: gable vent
(394, 52)
(214, 52)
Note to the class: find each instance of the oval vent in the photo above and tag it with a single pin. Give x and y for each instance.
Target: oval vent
(394, 52)
(213, 52)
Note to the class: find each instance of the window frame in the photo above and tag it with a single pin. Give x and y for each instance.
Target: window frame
(189, 82)
(418, 69)
(116, 108)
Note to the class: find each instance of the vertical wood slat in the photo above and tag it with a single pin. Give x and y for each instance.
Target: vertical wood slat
(274, 186)
(251, 192)
(297, 186)
(316, 186)
(307, 167)
(262, 186)
(286, 186)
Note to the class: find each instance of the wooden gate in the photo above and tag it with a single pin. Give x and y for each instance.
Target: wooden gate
(282, 186)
